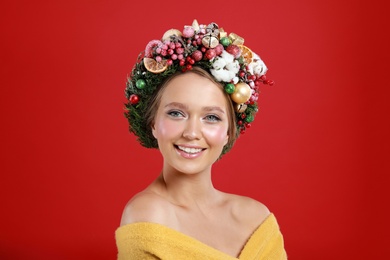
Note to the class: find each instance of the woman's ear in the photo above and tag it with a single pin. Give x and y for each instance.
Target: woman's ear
(153, 130)
(226, 140)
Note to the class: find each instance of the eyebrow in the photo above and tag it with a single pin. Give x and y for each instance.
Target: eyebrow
(184, 106)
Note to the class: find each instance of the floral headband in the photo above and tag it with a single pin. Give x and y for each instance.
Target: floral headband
(224, 56)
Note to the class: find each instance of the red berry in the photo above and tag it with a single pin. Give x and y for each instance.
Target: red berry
(270, 82)
(263, 77)
(182, 62)
(189, 66)
(179, 50)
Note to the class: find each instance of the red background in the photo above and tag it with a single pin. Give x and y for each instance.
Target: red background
(317, 154)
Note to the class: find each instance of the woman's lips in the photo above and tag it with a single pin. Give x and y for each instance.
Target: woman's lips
(189, 152)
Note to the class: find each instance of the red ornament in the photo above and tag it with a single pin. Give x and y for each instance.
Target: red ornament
(210, 54)
(133, 99)
(234, 50)
(197, 55)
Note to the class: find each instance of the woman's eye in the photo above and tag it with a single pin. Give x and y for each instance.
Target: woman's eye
(212, 118)
(175, 113)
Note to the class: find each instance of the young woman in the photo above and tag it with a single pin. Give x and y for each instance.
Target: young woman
(190, 96)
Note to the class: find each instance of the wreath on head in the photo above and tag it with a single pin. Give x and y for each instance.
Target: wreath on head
(240, 70)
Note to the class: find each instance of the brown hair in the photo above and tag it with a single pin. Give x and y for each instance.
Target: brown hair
(156, 98)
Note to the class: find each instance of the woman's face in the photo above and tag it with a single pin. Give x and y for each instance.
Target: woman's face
(191, 123)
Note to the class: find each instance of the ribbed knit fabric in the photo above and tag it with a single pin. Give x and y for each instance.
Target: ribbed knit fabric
(144, 240)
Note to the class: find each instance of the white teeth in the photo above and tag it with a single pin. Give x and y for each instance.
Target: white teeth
(189, 150)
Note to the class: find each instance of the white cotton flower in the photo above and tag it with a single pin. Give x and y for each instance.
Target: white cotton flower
(235, 80)
(234, 67)
(219, 63)
(257, 66)
(227, 56)
(222, 75)
(225, 67)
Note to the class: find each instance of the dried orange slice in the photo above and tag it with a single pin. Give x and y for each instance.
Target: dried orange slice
(171, 32)
(246, 53)
(154, 66)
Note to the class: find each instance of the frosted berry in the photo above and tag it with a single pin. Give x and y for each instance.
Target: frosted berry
(188, 32)
(197, 55)
(219, 49)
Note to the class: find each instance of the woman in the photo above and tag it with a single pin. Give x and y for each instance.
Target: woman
(190, 96)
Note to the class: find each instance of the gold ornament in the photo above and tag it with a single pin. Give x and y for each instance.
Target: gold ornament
(240, 108)
(236, 40)
(222, 33)
(242, 93)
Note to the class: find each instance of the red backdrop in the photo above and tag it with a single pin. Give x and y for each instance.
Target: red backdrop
(316, 154)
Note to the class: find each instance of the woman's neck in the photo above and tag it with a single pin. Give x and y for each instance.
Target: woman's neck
(188, 189)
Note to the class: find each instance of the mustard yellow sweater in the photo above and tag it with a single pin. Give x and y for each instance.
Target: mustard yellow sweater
(144, 240)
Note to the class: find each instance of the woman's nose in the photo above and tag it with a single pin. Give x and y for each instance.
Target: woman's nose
(192, 131)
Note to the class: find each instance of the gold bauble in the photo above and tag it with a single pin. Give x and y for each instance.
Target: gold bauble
(242, 93)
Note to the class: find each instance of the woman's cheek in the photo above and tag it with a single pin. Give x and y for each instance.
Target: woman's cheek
(166, 127)
(215, 134)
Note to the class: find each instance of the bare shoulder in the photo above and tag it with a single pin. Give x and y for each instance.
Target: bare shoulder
(248, 210)
(146, 206)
